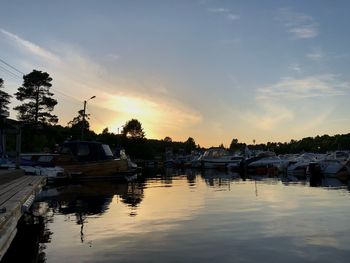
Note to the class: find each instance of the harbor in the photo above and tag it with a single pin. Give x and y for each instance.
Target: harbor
(174, 131)
(172, 215)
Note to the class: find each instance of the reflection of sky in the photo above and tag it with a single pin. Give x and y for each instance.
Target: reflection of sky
(212, 70)
(178, 222)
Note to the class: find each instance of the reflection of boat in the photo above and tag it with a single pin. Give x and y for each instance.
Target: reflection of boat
(219, 179)
(79, 160)
(91, 197)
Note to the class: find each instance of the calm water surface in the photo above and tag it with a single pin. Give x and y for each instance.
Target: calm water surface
(195, 217)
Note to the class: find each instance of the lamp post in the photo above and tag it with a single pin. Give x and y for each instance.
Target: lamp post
(119, 128)
(83, 125)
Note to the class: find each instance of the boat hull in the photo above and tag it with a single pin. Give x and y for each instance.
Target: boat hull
(100, 169)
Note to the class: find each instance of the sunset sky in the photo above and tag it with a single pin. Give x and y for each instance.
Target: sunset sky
(212, 70)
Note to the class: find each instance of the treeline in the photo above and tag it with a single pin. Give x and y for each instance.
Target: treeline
(48, 137)
(40, 131)
(318, 144)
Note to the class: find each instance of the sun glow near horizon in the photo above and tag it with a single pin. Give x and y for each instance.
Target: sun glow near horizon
(157, 117)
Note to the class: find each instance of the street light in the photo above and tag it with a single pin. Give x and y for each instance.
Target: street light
(83, 125)
(119, 128)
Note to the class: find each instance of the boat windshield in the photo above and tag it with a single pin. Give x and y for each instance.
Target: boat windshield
(216, 153)
(107, 150)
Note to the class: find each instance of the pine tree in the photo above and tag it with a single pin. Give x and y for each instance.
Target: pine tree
(4, 99)
(36, 91)
(77, 121)
(133, 129)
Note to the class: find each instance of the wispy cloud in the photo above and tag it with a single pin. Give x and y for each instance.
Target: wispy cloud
(228, 42)
(312, 86)
(30, 47)
(226, 12)
(269, 116)
(219, 10)
(316, 54)
(295, 67)
(280, 104)
(119, 98)
(300, 25)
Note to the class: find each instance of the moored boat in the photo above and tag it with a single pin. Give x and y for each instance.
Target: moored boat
(218, 158)
(92, 160)
(80, 160)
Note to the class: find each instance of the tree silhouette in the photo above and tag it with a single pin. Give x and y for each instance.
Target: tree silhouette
(77, 122)
(36, 90)
(133, 129)
(4, 99)
(234, 144)
(190, 145)
(167, 139)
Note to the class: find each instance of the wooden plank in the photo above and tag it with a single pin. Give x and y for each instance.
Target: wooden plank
(9, 175)
(18, 194)
(8, 186)
(13, 205)
(15, 184)
(13, 189)
(6, 241)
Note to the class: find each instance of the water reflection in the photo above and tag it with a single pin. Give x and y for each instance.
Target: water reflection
(192, 215)
(90, 198)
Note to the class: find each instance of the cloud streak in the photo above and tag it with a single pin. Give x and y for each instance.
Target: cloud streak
(30, 47)
(316, 55)
(299, 25)
(312, 86)
(282, 103)
(75, 74)
(226, 12)
(269, 116)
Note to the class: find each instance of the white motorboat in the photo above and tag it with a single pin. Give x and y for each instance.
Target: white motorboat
(268, 164)
(216, 157)
(336, 164)
(299, 165)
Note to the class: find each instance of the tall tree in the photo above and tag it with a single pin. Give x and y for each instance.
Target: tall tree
(36, 91)
(234, 144)
(133, 129)
(77, 121)
(190, 145)
(4, 99)
(167, 139)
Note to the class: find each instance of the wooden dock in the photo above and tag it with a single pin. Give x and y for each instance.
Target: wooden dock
(17, 193)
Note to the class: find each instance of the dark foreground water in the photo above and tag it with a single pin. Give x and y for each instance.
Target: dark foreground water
(192, 217)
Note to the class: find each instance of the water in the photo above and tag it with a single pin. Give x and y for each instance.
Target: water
(194, 217)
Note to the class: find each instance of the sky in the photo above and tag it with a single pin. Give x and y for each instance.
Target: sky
(208, 69)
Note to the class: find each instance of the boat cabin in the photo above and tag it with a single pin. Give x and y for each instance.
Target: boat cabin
(85, 151)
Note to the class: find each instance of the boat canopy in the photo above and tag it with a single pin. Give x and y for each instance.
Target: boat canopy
(87, 151)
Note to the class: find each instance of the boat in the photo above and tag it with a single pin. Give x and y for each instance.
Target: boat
(336, 164)
(92, 160)
(83, 160)
(299, 166)
(216, 157)
(235, 164)
(269, 164)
